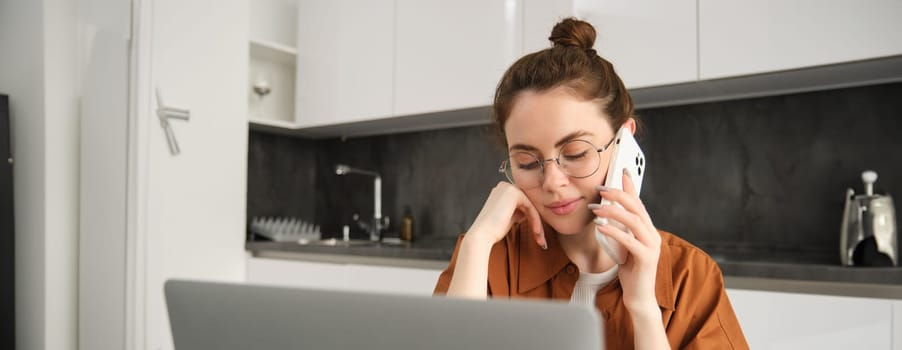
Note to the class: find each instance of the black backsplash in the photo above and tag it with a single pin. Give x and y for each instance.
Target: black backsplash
(768, 173)
(281, 175)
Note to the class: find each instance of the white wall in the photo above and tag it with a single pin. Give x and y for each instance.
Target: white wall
(37, 70)
(21, 77)
(61, 161)
(104, 29)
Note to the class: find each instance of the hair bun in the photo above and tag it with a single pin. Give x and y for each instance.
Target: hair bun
(573, 32)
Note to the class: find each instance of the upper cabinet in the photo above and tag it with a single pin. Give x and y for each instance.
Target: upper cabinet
(742, 37)
(650, 43)
(539, 16)
(345, 61)
(272, 62)
(450, 54)
(376, 66)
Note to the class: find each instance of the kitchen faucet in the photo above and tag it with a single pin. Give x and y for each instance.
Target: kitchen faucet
(378, 223)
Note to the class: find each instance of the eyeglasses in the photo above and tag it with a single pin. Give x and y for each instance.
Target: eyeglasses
(576, 158)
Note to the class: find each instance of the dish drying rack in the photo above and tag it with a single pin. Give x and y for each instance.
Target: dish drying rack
(285, 229)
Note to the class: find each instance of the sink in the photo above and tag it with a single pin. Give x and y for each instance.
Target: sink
(333, 242)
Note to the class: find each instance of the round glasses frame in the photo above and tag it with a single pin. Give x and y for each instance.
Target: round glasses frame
(507, 162)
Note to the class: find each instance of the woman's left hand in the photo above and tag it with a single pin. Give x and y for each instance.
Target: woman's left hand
(638, 272)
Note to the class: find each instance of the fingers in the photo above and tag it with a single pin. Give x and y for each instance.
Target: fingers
(524, 210)
(628, 185)
(507, 206)
(625, 239)
(535, 221)
(632, 214)
(636, 248)
(618, 214)
(644, 232)
(626, 198)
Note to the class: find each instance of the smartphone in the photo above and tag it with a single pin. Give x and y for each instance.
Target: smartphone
(626, 155)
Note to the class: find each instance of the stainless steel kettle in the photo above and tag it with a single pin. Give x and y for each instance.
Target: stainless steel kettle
(868, 236)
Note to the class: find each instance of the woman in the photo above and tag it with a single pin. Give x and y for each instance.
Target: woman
(535, 236)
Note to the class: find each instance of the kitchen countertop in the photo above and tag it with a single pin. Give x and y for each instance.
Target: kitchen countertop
(433, 254)
(434, 249)
(789, 271)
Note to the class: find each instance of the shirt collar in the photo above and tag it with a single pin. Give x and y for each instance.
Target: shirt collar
(538, 266)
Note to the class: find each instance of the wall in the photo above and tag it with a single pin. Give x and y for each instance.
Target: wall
(771, 173)
(61, 130)
(36, 70)
(443, 175)
(103, 241)
(281, 176)
(750, 175)
(21, 76)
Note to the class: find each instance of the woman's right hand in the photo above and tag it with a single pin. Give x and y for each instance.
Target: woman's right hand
(507, 205)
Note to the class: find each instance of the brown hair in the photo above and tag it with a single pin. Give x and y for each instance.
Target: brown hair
(570, 62)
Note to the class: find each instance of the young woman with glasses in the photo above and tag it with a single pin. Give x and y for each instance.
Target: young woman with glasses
(557, 111)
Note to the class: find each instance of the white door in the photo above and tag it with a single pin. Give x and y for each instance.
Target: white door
(191, 206)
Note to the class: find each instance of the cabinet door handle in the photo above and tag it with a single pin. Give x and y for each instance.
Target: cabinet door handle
(164, 114)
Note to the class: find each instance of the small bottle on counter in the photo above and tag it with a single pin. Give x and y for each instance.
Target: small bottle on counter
(407, 225)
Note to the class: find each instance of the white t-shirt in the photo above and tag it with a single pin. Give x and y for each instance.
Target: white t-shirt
(588, 285)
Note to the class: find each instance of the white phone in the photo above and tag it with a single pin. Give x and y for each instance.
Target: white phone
(627, 155)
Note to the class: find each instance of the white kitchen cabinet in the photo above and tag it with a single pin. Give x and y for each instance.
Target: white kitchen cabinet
(450, 54)
(349, 277)
(366, 67)
(776, 320)
(345, 66)
(650, 43)
(273, 60)
(539, 16)
(392, 280)
(273, 21)
(742, 37)
(300, 274)
(271, 65)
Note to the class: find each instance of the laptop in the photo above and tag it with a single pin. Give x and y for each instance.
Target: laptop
(223, 316)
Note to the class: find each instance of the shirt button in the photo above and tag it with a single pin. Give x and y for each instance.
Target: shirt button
(571, 269)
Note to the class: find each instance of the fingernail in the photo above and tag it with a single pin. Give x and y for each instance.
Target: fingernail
(627, 172)
(602, 188)
(601, 221)
(594, 206)
(545, 246)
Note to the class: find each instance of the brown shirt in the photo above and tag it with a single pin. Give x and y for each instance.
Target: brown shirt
(689, 287)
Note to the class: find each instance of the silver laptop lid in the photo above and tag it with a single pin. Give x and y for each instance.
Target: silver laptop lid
(223, 316)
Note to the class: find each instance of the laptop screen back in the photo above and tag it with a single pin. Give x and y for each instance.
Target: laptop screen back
(209, 315)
